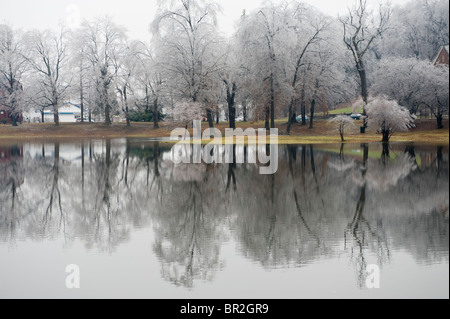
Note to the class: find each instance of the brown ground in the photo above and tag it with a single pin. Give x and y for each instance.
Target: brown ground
(425, 131)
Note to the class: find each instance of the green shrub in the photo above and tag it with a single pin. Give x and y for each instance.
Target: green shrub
(4, 121)
(136, 116)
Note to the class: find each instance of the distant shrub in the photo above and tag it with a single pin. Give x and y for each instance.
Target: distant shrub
(340, 122)
(389, 117)
(136, 116)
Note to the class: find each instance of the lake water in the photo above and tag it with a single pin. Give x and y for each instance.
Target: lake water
(135, 225)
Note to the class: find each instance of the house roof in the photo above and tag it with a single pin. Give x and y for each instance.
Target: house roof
(4, 108)
(444, 47)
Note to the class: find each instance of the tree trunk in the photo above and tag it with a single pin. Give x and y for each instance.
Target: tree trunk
(303, 109)
(364, 92)
(127, 116)
(267, 123)
(311, 119)
(155, 114)
(272, 101)
(81, 99)
(232, 111)
(210, 118)
(439, 119)
(56, 116)
(104, 98)
(303, 105)
(291, 117)
(107, 114)
(82, 175)
(231, 95)
(244, 111)
(127, 113)
(272, 113)
(14, 119)
(82, 110)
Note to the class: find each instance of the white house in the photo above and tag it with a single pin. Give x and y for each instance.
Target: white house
(68, 113)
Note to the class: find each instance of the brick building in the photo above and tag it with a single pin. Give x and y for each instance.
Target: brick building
(442, 56)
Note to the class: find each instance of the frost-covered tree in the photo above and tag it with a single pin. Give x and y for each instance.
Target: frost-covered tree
(187, 41)
(422, 26)
(325, 81)
(275, 43)
(389, 117)
(150, 86)
(341, 123)
(401, 79)
(12, 68)
(259, 39)
(233, 79)
(127, 65)
(415, 84)
(47, 55)
(361, 28)
(82, 73)
(302, 37)
(269, 20)
(103, 39)
(436, 92)
(292, 60)
(186, 112)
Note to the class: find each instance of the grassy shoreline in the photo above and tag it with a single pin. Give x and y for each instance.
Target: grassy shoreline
(322, 133)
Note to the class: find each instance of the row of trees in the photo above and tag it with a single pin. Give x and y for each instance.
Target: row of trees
(95, 65)
(283, 59)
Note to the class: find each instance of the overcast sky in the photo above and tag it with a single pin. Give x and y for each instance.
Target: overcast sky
(135, 15)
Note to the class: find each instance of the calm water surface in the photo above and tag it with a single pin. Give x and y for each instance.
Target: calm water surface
(139, 226)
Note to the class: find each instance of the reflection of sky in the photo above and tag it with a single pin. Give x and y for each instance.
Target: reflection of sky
(222, 153)
(37, 269)
(69, 152)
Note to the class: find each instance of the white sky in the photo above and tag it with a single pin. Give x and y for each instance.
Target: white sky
(135, 15)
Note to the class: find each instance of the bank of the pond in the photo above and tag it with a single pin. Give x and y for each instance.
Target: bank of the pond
(322, 133)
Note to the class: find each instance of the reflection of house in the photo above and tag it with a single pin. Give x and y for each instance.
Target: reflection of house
(68, 113)
(442, 56)
(11, 167)
(7, 153)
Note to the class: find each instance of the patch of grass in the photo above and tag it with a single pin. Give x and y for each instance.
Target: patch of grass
(322, 133)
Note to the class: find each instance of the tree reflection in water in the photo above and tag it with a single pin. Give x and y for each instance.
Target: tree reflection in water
(12, 174)
(323, 202)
